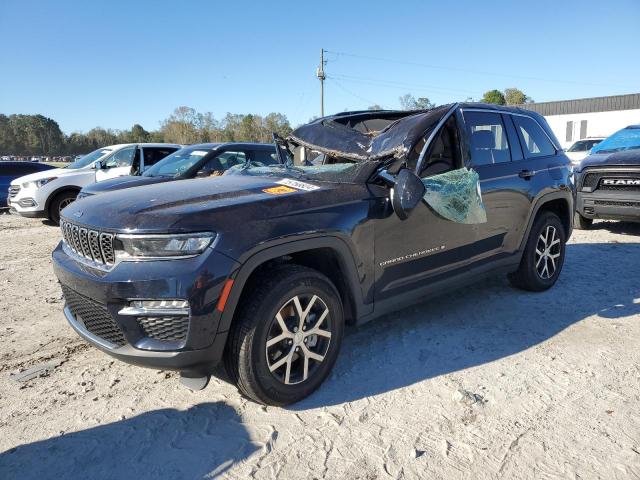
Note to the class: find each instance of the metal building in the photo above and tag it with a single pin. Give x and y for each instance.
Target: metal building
(573, 120)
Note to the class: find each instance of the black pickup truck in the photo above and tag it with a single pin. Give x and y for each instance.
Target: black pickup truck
(255, 273)
(608, 180)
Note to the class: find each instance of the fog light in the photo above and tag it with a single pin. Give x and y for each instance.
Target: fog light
(159, 304)
(156, 307)
(27, 202)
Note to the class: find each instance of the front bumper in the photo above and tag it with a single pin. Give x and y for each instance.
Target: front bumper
(28, 202)
(100, 296)
(612, 205)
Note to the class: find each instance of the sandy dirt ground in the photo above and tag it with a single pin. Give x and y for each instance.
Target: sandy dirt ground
(486, 382)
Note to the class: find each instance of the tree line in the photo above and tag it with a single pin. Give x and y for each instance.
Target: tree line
(509, 96)
(38, 135)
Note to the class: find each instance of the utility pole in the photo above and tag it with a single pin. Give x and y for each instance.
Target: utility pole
(321, 77)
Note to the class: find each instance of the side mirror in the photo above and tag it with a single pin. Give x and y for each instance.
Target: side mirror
(406, 193)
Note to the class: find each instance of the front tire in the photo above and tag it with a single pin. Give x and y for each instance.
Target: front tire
(59, 202)
(582, 223)
(543, 255)
(287, 335)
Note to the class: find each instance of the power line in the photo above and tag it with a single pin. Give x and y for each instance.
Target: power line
(397, 84)
(342, 87)
(475, 72)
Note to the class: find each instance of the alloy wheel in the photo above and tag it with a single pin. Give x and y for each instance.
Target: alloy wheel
(65, 203)
(298, 339)
(548, 250)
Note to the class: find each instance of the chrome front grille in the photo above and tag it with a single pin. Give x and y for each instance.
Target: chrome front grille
(91, 244)
(13, 190)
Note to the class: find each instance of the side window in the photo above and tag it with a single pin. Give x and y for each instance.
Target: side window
(444, 151)
(218, 165)
(535, 142)
(263, 157)
(153, 155)
(122, 158)
(488, 138)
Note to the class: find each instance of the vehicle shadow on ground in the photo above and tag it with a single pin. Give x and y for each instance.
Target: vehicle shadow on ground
(621, 228)
(481, 323)
(205, 440)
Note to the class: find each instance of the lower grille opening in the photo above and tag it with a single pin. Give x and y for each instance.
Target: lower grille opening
(168, 329)
(613, 203)
(93, 316)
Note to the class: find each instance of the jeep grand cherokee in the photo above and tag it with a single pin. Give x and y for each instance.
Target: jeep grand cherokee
(258, 271)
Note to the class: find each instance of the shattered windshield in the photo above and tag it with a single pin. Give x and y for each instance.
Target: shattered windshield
(306, 163)
(456, 196)
(89, 158)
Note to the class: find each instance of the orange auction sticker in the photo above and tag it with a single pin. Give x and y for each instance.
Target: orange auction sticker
(281, 190)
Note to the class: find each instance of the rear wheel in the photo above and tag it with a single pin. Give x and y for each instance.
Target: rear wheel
(543, 255)
(286, 337)
(582, 223)
(59, 202)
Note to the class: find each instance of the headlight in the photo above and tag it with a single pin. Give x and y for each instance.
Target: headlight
(39, 183)
(134, 247)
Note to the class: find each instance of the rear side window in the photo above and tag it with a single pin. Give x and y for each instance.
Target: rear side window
(153, 155)
(534, 141)
(488, 138)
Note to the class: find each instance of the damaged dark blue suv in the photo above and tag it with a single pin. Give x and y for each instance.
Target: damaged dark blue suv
(253, 275)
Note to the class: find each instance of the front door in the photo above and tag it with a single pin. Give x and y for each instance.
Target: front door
(117, 164)
(410, 253)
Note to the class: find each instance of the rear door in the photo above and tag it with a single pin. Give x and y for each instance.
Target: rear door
(497, 157)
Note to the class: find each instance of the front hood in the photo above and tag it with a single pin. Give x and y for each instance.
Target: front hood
(623, 158)
(53, 172)
(219, 204)
(123, 182)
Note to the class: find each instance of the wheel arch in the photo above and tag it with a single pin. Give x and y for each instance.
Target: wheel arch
(58, 191)
(328, 255)
(560, 203)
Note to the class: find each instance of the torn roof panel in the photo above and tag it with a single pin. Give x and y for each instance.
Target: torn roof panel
(368, 135)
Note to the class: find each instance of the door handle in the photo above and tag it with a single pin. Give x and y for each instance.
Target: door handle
(526, 174)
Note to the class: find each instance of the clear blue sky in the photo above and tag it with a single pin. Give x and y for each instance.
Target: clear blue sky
(114, 63)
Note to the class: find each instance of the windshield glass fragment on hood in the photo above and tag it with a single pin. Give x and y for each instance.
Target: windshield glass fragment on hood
(456, 196)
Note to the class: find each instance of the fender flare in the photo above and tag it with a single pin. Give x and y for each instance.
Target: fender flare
(539, 203)
(343, 253)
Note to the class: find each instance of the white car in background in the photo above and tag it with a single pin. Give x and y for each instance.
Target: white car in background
(44, 194)
(581, 148)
